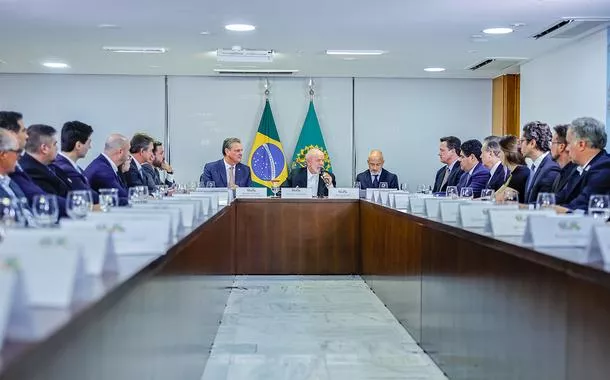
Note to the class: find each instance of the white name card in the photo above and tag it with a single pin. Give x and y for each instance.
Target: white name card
(432, 207)
(559, 230)
(378, 195)
(97, 247)
(154, 207)
(401, 201)
(207, 200)
(222, 195)
(449, 210)
(15, 317)
(511, 222)
(53, 276)
(417, 205)
(344, 193)
(192, 209)
(475, 214)
(251, 193)
(297, 193)
(599, 249)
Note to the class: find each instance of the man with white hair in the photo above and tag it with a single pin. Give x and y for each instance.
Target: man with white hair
(312, 176)
(104, 173)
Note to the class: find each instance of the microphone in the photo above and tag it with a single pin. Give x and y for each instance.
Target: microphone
(326, 181)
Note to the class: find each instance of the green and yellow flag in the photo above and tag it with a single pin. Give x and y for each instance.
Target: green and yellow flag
(267, 160)
(310, 137)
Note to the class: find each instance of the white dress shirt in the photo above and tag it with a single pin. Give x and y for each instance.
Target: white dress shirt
(493, 169)
(312, 182)
(538, 161)
(585, 167)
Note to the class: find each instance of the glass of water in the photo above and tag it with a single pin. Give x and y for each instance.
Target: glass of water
(210, 184)
(357, 185)
(275, 187)
(404, 187)
(78, 204)
(511, 196)
(383, 185)
(599, 206)
(109, 198)
(545, 201)
(487, 194)
(467, 192)
(452, 192)
(45, 209)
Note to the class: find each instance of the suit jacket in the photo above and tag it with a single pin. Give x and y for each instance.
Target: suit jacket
(564, 176)
(298, 177)
(216, 171)
(136, 178)
(517, 180)
(595, 179)
(101, 175)
(542, 180)
(365, 179)
(75, 180)
(44, 176)
(31, 189)
(478, 180)
(497, 180)
(19, 194)
(454, 177)
(153, 173)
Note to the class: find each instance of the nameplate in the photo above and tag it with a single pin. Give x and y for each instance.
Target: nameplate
(401, 201)
(559, 230)
(205, 199)
(97, 247)
(251, 193)
(433, 207)
(475, 214)
(15, 317)
(179, 219)
(417, 204)
(449, 210)
(222, 195)
(192, 209)
(380, 196)
(296, 193)
(344, 193)
(171, 216)
(53, 276)
(599, 249)
(512, 222)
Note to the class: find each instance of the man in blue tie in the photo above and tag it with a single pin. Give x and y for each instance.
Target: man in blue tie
(376, 174)
(9, 155)
(536, 145)
(475, 174)
(141, 149)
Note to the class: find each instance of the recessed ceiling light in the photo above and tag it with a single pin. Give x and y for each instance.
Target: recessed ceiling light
(240, 27)
(2, 62)
(132, 49)
(108, 26)
(355, 52)
(205, 33)
(497, 30)
(55, 65)
(349, 58)
(434, 69)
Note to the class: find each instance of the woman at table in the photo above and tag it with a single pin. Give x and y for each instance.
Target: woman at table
(517, 172)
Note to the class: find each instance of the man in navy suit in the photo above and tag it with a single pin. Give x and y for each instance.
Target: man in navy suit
(560, 155)
(490, 157)
(376, 174)
(475, 174)
(586, 140)
(104, 172)
(75, 143)
(449, 154)
(228, 171)
(141, 149)
(536, 145)
(312, 176)
(9, 154)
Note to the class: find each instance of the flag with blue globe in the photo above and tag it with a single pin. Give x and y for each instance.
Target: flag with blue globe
(267, 160)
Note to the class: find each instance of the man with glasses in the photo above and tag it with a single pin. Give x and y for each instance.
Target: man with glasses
(535, 144)
(560, 155)
(449, 154)
(9, 155)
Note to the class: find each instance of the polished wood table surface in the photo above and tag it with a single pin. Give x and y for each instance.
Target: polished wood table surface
(482, 308)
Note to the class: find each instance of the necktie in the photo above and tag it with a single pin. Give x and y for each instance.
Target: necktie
(445, 177)
(376, 180)
(231, 177)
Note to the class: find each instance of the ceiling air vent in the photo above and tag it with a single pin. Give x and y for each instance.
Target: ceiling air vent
(495, 64)
(571, 27)
(255, 72)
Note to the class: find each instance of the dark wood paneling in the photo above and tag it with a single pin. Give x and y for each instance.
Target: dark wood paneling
(275, 236)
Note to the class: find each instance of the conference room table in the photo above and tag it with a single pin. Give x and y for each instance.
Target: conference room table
(481, 307)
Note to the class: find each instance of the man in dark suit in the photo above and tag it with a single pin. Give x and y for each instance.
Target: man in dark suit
(536, 145)
(586, 140)
(162, 171)
(141, 149)
(9, 154)
(450, 174)
(103, 172)
(490, 157)
(312, 176)
(75, 143)
(560, 155)
(475, 174)
(376, 174)
(228, 171)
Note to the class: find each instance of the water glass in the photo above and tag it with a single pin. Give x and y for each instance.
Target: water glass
(357, 185)
(404, 187)
(487, 194)
(78, 204)
(108, 198)
(545, 201)
(467, 192)
(138, 194)
(452, 192)
(511, 196)
(275, 187)
(599, 206)
(11, 214)
(210, 184)
(383, 185)
(45, 209)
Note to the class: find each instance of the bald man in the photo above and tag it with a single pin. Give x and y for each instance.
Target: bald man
(376, 174)
(104, 172)
(312, 176)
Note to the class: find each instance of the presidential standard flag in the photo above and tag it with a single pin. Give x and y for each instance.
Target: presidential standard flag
(310, 137)
(267, 159)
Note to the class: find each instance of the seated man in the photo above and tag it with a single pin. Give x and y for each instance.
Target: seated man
(475, 174)
(561, 156)
(586, 139)
(310, 175)
(536, 145)
(141, 153)
(450, 174)
(9, 154)
(376, 174)
(228, 171)
(161, 172)
(103, 172)
(75, 143)
(490, 157)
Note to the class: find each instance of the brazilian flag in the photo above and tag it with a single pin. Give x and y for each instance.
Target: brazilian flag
(267, 159)
(310, 137)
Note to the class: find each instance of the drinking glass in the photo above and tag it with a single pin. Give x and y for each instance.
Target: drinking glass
(109, 198)
(467, 192)
(404, 187)
(545, 201)
(511, 196)
(357, 185)
(210, 184)
(45, 209)
(137, 194)
(383, 185)
(487, 194)
(11, 213)
(275, 187)
(599, 206)
(452, 192)
(78, 204)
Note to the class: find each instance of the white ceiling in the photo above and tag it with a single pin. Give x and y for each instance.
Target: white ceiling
(416, 34)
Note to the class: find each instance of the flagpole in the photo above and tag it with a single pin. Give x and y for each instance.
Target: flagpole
(311, 90)
(267, 88)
